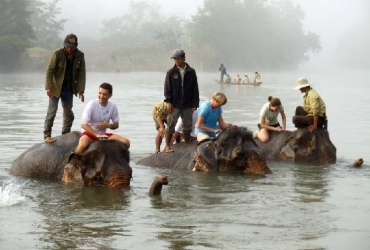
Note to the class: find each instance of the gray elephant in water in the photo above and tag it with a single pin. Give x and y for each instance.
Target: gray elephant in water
(234, 150)
(300, 145)
(104, 163)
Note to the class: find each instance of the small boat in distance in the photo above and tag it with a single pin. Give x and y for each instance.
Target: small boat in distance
(251, 83)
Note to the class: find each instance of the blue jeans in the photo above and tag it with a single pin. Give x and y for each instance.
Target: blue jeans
(68, 116)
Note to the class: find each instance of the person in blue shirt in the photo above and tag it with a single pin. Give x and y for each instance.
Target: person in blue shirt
(210, 121)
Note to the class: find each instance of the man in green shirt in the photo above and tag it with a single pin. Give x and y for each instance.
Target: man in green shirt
(65, 77)
(313, 112)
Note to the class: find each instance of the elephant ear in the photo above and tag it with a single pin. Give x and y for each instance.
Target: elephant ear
(206, 157)
(92, 166)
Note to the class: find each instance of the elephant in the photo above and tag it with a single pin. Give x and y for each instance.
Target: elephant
(234, 150)
(300, 145)
(103, 163)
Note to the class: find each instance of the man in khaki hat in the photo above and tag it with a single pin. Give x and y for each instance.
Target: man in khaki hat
(313, 111)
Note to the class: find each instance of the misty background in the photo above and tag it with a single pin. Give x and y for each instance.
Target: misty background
(140, 35)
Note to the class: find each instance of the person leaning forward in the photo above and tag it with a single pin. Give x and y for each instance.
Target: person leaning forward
(65, 77)
(181, 92)
(160, 113)
(313, 112)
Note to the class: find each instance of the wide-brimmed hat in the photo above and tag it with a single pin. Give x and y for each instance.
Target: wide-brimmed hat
(301, 83)
(70, 41)
(177, 53)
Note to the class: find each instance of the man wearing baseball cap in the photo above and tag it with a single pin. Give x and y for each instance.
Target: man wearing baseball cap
(313, 112)
(65, 77)
(182, 96)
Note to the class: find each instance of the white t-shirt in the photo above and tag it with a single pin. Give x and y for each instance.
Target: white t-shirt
(270, 116)
(178, 127)
(94, 113)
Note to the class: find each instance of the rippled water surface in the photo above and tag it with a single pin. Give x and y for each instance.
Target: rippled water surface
(296, 207)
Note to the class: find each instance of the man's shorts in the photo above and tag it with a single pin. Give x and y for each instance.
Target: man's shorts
(93, 137)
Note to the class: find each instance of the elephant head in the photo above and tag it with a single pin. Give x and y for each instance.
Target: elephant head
(234, 150)
(104, 163)
(307, 147)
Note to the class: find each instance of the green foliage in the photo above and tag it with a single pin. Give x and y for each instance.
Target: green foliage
(142, 26)
(250, 34)
(46, 25)
(15, 32)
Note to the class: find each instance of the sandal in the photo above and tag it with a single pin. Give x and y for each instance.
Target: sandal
(157, 151)
(49, 140)
(168, 150)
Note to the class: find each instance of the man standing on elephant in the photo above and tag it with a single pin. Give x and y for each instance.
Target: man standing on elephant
(96, 119)
(313, 112)
(65, 77)
(181, 92)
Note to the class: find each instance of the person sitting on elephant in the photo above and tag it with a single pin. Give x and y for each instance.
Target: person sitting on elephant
(160, 113)
(313, 112)
(96, 119)
(210, 121)
(268, 119)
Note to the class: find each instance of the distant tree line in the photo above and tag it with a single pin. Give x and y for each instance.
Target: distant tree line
(243, 34)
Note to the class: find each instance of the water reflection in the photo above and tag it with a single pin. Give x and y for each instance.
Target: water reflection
(311, 182)
(77, 212)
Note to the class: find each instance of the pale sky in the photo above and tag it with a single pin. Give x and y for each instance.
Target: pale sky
(327, 18)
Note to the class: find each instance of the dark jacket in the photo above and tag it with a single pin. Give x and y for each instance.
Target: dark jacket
(56, 69)
(180, 95)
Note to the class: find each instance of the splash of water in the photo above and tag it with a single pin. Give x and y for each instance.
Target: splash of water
(11, 194)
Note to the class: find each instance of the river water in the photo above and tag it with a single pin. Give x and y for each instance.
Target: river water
(297, 207)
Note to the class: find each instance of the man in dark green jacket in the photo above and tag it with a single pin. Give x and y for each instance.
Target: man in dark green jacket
(65, 77)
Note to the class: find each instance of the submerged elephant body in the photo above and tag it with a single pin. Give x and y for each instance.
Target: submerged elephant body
(300, 145)
(104, 163)
(233, 151)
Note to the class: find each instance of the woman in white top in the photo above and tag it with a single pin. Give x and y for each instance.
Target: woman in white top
(269, 119)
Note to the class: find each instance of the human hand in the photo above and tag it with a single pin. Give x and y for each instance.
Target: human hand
(102, 125)
(49, 93)
(161, 132)
(312, 128)
(279, 129)
(169, 108)
(81, 96)
(102, 137)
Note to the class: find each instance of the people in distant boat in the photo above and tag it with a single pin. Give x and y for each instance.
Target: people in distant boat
(178, 135)
(237, 79)
(268, 119)
(160, 113)
(313, 112)
(228, 79)
(257, 78)
(210, 121)
(223, 72)
(246, 79)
